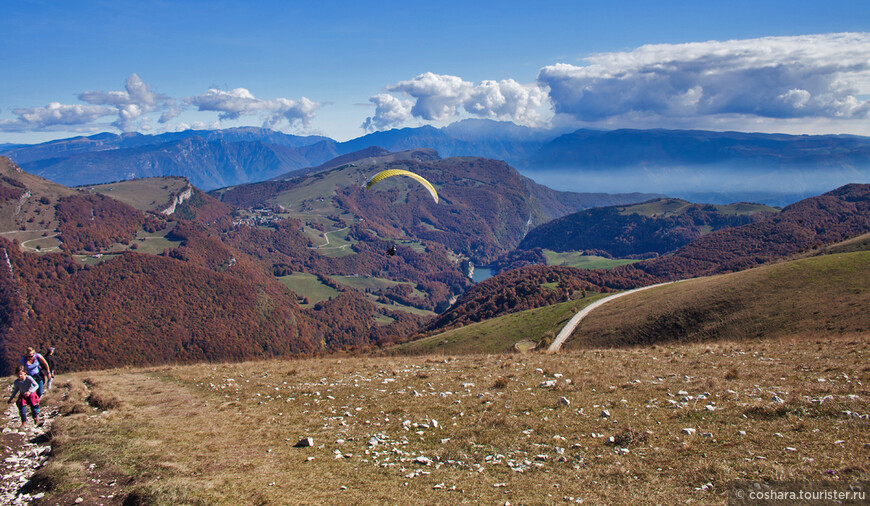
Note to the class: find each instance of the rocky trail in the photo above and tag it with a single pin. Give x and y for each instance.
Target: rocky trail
(24, 451)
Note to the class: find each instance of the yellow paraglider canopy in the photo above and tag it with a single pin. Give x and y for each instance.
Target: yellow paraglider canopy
(380, 176)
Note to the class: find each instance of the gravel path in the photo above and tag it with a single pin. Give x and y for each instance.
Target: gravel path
(569, 327)
(24, 451)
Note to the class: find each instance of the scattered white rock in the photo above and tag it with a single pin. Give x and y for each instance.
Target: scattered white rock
(548, 384)
(304, 442)
(689, 431)
(777, 399)
(423, 460)
(605, 414)
(563, 401)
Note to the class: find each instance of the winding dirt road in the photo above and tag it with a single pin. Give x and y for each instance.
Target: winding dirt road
(569, 327)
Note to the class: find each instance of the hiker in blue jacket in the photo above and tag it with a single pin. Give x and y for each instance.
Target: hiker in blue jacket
(37, 368)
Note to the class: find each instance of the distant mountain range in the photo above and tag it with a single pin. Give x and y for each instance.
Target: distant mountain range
(715, 167)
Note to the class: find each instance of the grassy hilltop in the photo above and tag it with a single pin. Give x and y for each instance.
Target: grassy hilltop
(472, 428)
(821, 294)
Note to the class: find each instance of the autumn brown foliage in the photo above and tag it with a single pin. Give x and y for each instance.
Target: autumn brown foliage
(810, 223)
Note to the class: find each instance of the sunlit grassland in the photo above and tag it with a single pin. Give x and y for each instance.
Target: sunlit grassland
(501, 334)
(374, 283)
(820, 294)
(309, 286)
(582, 261)
(147, 194)
(674, 207)
(393, 306)
(442, 429)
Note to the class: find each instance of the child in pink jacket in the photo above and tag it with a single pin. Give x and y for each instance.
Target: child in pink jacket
(25, 387)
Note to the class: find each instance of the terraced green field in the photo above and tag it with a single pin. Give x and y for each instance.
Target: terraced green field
(503, 333)
(581, 261)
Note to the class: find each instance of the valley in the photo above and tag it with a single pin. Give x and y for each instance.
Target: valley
(264, 314)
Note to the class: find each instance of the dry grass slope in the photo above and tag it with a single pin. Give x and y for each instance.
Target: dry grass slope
(783, 409)
(826, 294)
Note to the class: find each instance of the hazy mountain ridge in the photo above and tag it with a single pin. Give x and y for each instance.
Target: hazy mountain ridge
(207, 164)
(365, 157)
(627, 147)
(770, 167)
(24, 154)
(692, 163)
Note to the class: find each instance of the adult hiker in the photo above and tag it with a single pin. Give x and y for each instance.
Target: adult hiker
(52, 366)
(25, 388)
(37, 368)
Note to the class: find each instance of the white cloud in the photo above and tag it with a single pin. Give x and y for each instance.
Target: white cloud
(782, 78)
(389, 112)
(506, 99)
(293, 111)
(240, 102)
(54, 116)
(196, 125)
(437, 97)
(136, 100)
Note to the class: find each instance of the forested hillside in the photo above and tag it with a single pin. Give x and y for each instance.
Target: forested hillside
(811, 223)
(648, 229)
(486, 206)
(210, 293)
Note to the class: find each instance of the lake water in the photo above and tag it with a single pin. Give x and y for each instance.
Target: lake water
(481, 273)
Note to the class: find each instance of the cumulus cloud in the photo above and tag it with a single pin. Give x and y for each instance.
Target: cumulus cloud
(814, 76)
(136, 100)
(240, 102)
(437, 97)
(54, 116)
(389, 112)
(506, 99)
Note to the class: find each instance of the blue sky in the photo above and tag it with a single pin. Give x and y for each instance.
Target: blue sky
(331, 68)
